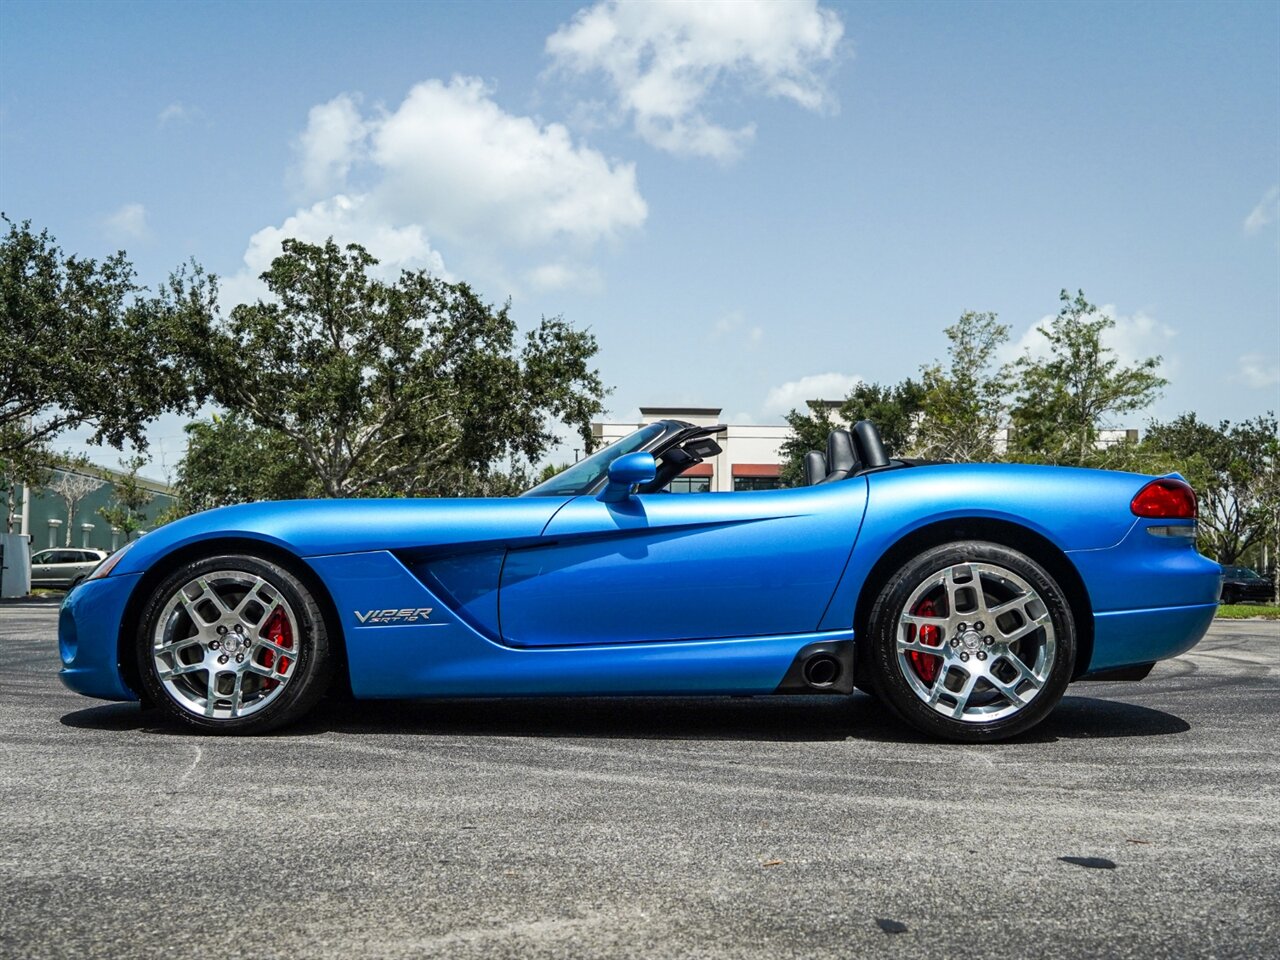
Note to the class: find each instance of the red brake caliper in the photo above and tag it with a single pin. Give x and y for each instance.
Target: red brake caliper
(926, 665)
(279, 632)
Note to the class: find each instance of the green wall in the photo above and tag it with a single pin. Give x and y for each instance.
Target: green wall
(46, 506)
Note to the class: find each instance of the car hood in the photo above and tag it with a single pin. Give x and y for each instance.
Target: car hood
(310, 528)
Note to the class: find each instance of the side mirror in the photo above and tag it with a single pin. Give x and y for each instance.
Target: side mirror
(625, 473)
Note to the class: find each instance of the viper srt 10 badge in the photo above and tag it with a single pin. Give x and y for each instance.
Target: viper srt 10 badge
(383, 617)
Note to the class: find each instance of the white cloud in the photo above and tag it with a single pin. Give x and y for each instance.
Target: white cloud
(817, 386)
(129, 222)
(330, 144)
(449, 162)
(665, 60)
(726, 323)
(176, 112)
(1265, 212)
(1258, 371)
(453, 158)
(734, 325)
(1133, 338)
(347, 219)
(563, 276)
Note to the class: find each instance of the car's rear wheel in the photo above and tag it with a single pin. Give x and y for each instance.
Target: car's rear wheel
(971, 641)
(233, 644)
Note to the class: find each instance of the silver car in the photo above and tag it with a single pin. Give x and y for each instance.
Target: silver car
(63, 567)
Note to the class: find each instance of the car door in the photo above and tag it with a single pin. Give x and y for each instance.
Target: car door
(57, 568)
(41, 570)
(662, 567)
(86, 560)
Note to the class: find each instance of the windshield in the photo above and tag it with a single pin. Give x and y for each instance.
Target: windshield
(583, 475)
(1241, 573)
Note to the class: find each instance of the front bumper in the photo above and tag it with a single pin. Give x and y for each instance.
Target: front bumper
(1249, 592)
(88, 637)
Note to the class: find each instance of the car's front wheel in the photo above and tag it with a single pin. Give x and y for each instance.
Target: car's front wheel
(233, 644)
(971, 641)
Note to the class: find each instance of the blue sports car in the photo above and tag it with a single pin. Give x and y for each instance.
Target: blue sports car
(966, 597)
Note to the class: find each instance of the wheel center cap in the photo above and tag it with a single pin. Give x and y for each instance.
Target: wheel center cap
(232, 642)
(971, 640)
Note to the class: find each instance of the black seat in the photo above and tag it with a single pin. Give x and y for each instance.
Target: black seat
(868, 446)
(841, 459)
(848, 454)
(815, 467)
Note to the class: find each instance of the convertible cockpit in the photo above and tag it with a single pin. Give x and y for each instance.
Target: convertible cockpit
(849, 453)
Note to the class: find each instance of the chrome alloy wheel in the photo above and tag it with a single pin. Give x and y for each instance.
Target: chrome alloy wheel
(975, 642)
(226, 644)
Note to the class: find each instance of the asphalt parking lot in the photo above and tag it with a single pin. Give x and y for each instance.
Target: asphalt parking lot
(786, 827)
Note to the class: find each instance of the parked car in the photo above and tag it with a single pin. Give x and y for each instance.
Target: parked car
(965, 596)
(62, 568)
(1240, 584)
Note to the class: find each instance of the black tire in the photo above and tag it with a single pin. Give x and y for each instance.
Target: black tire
(289, 698)
(1228, 595)
(900, 674)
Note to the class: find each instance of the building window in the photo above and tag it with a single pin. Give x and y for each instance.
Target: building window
(690, 485)
(756, 483)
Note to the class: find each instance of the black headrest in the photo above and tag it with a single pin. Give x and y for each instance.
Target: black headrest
(840, 455)
(815, 467)
(866, 439)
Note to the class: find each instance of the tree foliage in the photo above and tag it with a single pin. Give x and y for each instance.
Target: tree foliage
(1233, 469)
(1064, 399)
(229, 460)
(129, 498)
(892, 408)
(962, 407)
(80, 345)
(808, 432)
(415, 386)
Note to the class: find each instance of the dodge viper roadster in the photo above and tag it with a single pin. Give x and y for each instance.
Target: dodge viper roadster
(965, 597)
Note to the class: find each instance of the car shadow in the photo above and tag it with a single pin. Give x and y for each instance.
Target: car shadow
(780, 719)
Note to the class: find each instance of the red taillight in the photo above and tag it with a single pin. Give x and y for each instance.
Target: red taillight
(1165, 499)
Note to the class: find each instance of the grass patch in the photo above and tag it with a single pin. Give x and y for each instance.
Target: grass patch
(1247, 611)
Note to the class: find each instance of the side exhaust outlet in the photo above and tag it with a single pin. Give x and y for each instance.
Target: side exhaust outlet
(821, 671)
(824, 666)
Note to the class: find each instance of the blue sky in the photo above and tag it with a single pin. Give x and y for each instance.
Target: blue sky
(748, 204)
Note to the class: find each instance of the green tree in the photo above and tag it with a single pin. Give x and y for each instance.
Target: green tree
(229, 460)
(892, 408)
(411, 387)
(129, 499)
(1065, 398)
(81, 345)
(963, 403)
(551, 470)
(1233, 469)
(808, 432)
